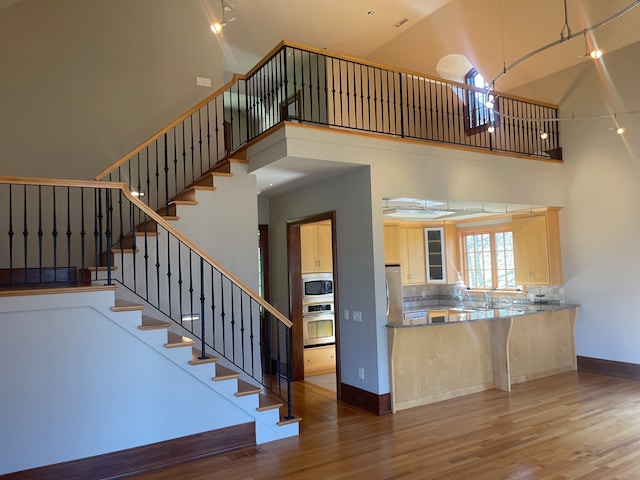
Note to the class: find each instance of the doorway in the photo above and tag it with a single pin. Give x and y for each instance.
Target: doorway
(311, 247)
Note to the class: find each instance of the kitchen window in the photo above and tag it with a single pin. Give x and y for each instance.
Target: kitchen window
(488, 259)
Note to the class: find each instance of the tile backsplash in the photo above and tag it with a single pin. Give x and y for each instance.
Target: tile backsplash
(418, 296)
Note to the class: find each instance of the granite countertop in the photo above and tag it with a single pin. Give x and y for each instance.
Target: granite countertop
(420, 317)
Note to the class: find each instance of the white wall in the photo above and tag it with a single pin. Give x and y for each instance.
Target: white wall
(85, 81)
(600, 224)
(84, 386)
(393, 169)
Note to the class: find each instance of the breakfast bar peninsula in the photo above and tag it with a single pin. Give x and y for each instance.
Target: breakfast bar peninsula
(448, 352)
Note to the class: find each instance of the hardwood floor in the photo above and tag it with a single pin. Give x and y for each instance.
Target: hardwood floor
(570, 426)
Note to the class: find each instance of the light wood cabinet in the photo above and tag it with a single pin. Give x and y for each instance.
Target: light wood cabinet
(412, 254)
(316, 247)
(536, 248)
(391, 243)
(435, 255)
(319, 360)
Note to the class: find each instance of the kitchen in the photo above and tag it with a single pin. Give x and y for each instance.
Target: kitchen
(446, 339)
(318, 311)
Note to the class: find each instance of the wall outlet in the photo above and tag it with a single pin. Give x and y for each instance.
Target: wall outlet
(203, 82)
(361, 373)
(346, 314)
(357, 316)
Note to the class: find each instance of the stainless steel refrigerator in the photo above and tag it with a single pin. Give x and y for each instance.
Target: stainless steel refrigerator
(393, 277)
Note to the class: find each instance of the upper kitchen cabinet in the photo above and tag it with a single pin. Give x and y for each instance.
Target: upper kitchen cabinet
(412, 254)
(536, 248)
(435, 254)
(441, 253)
(316, 247)
(391, 243)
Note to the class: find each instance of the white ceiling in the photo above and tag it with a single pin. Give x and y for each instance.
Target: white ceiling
(491, 33)
(341, 26)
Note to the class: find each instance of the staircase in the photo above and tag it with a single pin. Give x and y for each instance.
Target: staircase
(160, 274)
(266, 410)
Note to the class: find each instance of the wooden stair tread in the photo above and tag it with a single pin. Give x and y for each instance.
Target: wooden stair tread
(206, 180)
(125, 306)
(184, 202)
(151, 323)
(101, 268)
(116, 249)
(175, 341)
(224, 373)
(267, 403)
(246, 388)
(196, 353)
(189, 193)
(289, 421)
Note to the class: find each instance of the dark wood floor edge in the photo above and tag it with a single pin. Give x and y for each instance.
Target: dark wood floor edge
(609, 367)
(146, 458)
(372, 402)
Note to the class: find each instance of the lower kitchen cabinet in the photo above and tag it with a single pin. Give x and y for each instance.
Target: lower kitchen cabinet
(319, 360)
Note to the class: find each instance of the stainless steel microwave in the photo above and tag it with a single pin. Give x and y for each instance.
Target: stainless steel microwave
(317, 288)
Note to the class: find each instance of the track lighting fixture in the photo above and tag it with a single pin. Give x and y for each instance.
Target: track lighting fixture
(595, 54)
(565, 35)
(217, 27)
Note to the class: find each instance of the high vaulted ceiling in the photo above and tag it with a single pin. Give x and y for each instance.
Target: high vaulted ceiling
(491, 33)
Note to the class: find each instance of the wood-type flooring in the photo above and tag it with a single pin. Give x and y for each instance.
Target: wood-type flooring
(570, 426)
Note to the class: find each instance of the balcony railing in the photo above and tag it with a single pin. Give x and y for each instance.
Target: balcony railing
(301, 84)
(65, 232)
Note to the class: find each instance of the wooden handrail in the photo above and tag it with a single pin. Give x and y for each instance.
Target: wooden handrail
(122, 160)
(158, 219)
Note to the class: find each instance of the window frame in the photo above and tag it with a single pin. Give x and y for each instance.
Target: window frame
(479, 230)
(472, 104)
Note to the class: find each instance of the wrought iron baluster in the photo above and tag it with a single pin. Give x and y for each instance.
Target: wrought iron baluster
(242, 330)
(145, 255)
(251, 336)
(10, 233)
(166, 174)
(181, 312)
(108, 230)
(209, 136)
(191, 286)
(222, 316)
(169, 289)
(40, 235)
(203, 353)
(68, 232)
(199, 145)
(289, 415)
(213, 308)
(233, 322)
(121, 234)
(175, 164)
